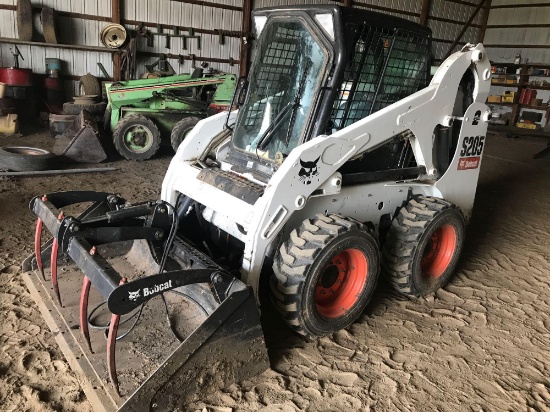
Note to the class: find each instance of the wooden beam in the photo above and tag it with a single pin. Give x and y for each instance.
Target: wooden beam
(425, 12)
(518, 26)
(245, 41)
(57, 46)
(66, 14)
(518, 46)
(348, 3)
(484, 19)
(115, 13)
(381, 8)
(434, 18)
(520, 5)
(229, 61)
(466, 3)
(210, 4)
(117, 57)
(470, 20)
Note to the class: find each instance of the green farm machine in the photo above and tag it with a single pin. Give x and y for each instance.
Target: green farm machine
(145, 112)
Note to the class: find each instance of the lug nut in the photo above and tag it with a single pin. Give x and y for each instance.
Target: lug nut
(158, 235)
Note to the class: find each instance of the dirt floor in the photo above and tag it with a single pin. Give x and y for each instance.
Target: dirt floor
(480, 344)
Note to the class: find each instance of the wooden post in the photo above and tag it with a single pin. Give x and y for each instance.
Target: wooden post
(245, 46)
(115, 14)
(117, 58)
(348, 3)
(425, 12)
(485, 18)
(466, 25)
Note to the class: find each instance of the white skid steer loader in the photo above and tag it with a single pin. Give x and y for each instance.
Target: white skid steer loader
(340, 161)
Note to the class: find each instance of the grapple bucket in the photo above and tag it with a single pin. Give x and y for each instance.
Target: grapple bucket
(81, 142)
(182, 332)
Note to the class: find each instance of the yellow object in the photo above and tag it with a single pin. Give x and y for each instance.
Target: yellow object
(2, 90)
(494, 99)
(511, 81)
(507, 99)
(532, 126)
(9, 124)
(509, 93)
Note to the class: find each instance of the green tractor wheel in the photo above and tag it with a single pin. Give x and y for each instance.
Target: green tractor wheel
(136, 138)
(181, 130)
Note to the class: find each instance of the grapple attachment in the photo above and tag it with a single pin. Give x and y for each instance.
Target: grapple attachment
(159, 367)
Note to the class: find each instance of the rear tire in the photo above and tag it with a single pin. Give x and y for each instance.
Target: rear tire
(325, 274)
(136, 138)
(423, 245)
(181, 130)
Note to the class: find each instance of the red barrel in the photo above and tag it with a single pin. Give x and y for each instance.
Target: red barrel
(53, 94)
(16, 77)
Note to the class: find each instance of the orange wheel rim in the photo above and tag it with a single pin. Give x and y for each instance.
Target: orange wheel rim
(439, 252)
(341, 283)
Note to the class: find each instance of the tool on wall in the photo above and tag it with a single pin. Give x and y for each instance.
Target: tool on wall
(16, 55)
(176, 33)
(246, 36)
(47, 16)
(113, 36)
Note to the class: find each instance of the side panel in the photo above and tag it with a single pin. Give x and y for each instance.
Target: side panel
(459, 183)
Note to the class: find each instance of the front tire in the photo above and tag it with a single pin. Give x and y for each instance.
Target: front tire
(423, 245)
(136, 138)
(325, 274)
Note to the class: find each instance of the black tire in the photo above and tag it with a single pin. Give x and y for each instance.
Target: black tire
(311, 287)
(25, 159)
(136, 150)
(48, 25)
(423, 245)
(89, 85)
(97, 108)
(24, 20)
(181, 129)
(107, 120)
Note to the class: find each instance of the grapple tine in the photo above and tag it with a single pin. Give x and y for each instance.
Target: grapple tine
(111, 348)
(53, 269)
(84, 294)
(37, 247)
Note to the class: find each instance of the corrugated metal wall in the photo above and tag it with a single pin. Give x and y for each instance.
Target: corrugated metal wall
(86, 32)
(517, 36)
(189, 15)
(446, 18)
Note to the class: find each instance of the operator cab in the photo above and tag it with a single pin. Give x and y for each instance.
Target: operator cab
(319, 69)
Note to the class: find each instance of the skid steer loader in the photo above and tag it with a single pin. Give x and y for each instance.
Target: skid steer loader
(141, 113)
(341, 160)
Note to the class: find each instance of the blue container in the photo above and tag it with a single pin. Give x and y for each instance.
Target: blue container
(53, 64)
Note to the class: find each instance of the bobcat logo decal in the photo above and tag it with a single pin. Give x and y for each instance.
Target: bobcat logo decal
(134, 295)
(308, 170)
